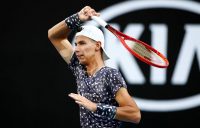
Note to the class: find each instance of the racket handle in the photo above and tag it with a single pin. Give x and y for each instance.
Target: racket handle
(99, 20)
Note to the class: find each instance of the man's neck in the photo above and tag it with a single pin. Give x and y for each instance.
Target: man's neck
(94, 66)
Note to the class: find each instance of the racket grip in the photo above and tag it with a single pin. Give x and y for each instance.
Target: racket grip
(99, 20)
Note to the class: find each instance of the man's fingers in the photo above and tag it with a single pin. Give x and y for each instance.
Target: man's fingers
(77, 97)
(86, 13)
(78, 102)
(73, 95)
(97, 14)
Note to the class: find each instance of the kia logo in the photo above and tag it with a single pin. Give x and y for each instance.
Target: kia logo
(121, 59)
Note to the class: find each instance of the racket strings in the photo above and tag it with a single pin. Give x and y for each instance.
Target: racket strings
(143, 51)
(139, 49)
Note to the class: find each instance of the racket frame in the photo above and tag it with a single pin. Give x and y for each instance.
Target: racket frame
(119, 35)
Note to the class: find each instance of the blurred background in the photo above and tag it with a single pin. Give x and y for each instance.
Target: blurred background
(35, 80)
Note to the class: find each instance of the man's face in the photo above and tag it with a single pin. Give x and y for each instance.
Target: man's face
(85, 49)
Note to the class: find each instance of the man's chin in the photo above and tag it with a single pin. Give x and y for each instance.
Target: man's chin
(82, 62)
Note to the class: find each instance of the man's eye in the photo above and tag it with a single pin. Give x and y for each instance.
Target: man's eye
(81, 43)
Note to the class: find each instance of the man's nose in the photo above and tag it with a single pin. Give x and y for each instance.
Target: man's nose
(77, 49)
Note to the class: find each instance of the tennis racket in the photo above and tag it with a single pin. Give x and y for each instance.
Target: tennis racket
(138, 48)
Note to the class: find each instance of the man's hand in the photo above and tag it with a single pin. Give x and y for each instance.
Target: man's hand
(86, 13)
(81, 100)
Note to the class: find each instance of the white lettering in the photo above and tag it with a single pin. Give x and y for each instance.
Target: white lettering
(121, 58)
(159, 42)
(190, 46)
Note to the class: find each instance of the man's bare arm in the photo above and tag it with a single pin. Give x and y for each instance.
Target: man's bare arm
(58, 34)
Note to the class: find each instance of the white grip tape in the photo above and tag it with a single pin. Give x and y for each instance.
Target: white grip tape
(99, 20)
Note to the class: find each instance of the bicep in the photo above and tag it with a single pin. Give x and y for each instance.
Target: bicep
(127, 110)
(123, 98)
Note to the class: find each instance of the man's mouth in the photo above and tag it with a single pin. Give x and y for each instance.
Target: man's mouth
(79, 56)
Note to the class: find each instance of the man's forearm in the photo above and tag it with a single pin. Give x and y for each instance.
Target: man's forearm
(59, 31)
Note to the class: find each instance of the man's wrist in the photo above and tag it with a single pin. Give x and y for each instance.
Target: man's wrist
(74, 22)
(106, 110)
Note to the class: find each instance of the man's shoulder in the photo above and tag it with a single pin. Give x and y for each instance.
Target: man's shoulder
(111, 69)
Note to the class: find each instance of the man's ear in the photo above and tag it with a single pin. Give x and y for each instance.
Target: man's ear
(98, 45)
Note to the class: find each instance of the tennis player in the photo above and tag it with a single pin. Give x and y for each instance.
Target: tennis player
(101, 90)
